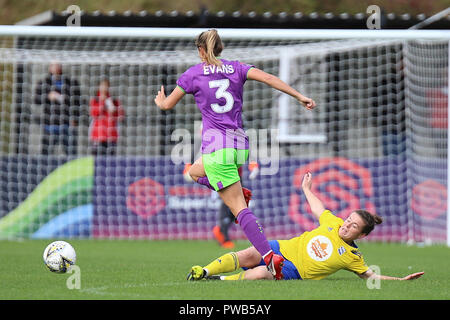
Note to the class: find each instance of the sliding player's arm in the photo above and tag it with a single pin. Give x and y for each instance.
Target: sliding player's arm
(316, 205)
(370, 274)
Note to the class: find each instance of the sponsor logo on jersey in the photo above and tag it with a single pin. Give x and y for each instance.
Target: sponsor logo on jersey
(319, 248)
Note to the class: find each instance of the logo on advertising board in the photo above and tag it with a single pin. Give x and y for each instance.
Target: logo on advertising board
(192, 198)
(429, 199)
(341, 184)
(146, 197)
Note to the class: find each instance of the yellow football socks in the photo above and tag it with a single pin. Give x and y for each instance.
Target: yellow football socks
(227, 263)
(237, 276)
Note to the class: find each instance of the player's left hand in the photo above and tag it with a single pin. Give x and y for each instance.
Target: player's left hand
(413, 276)
(160, 97)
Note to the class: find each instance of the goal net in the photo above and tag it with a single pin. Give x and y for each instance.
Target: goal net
(79, 163)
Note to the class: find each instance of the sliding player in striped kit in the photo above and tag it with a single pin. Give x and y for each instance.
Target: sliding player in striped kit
(217, 86)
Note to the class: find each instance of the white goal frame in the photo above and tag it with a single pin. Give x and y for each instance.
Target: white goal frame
(255, 34)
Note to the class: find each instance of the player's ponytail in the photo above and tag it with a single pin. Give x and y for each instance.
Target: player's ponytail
(212, 44)
(370, 219)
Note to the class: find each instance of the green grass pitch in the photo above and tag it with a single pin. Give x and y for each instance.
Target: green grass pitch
(156, 270)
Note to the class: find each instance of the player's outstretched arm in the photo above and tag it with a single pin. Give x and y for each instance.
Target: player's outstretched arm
(370, 274)
(316, 205)
(277, 83)
(166, 103)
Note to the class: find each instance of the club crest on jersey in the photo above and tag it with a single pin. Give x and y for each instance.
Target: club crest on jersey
(319, 248)
(341, 250)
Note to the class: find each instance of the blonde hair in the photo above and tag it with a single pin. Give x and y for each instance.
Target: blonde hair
(212, 44)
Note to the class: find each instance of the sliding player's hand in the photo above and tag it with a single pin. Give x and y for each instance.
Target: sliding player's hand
(413, 276)
(307, 181)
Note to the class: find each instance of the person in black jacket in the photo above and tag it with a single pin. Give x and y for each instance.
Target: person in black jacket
(59, 97)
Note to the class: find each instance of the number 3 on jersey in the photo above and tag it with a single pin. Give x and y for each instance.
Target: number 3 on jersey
(221, 92)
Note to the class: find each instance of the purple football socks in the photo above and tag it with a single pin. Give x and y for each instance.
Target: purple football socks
(254, 231)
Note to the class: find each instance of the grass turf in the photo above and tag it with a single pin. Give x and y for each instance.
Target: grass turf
(156, 270)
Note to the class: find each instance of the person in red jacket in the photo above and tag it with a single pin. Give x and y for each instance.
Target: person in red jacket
(105, 113)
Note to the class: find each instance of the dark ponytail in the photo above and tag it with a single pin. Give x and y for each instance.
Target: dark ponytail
(370, 219)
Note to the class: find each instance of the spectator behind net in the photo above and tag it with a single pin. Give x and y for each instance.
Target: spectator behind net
(105, 113)
(59, 97)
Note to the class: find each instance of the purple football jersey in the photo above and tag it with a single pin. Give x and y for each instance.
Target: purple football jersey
(218, 92)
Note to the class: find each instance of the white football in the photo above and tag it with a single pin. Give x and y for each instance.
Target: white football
(59, 256)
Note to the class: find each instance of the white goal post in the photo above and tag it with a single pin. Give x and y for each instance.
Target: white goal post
(225, 33)
(376, 140)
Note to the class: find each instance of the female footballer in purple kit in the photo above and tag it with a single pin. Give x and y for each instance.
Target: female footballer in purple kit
(217, 86)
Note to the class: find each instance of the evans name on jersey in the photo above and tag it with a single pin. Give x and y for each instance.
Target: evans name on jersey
(225, 68)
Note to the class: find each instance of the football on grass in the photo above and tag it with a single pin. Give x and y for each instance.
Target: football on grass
(59, 256)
